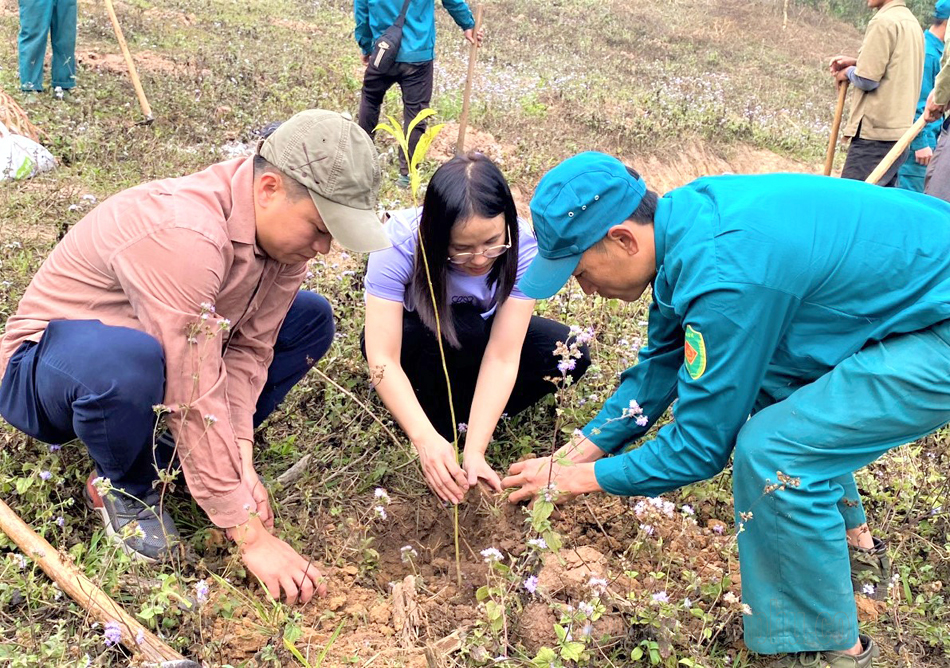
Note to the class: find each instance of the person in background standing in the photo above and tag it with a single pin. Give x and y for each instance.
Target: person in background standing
(41, 20)
(413, 69)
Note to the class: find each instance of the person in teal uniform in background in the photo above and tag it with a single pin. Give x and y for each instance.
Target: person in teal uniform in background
(40, 20)
(914, 169)
(787, 297)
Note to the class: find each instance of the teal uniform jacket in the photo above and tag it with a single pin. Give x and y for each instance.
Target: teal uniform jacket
(764, 282)
(418, 33)
(912, 173)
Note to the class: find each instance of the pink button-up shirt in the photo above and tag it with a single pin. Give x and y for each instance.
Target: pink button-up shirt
(153, 258)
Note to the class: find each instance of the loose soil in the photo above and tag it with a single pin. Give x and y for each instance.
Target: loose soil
(393, 611)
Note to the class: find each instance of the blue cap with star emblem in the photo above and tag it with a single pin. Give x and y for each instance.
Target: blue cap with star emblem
(574, 206)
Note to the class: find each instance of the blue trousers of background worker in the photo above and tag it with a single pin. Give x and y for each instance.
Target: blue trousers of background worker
(793, 552)
(99, 383)
(41, 20)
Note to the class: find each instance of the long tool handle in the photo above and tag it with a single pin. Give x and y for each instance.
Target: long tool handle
(143, 101)
(466, 98)
(897, 149)
(82, 590)
(835, 126)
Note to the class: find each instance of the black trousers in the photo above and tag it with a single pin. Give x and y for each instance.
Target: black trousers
(422, 363)
(415, 81)
(866, 154)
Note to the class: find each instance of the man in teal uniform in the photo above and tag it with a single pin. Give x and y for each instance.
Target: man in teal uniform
(42, 20)
(914, 169)
(784, 296)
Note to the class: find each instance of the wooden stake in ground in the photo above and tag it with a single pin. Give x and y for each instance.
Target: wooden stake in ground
(142, 642)
(466, 98)
(835, 126)
(143, 101)
(897, 149)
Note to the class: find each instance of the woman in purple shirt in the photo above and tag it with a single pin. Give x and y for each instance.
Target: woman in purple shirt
(498, 353)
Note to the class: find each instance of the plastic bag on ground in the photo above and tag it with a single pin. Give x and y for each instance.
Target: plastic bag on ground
(21, 157)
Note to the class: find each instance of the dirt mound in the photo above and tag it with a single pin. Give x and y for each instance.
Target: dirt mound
(697, 159)
(404, 600)
(145, 61)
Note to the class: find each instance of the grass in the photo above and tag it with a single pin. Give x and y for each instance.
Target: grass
(656, 83)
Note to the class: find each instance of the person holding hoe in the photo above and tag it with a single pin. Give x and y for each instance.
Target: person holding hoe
(412, 64)
(913, 171)
(181, 297)
(786, 297)
(500, 356)
(886, 78)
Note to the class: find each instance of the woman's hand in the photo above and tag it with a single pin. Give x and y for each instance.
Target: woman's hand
(440, 467)
(477, 468)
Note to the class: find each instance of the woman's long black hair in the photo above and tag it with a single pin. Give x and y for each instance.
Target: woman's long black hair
(467, 185)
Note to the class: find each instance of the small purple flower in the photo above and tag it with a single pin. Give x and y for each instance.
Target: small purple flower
(531, 584)
(688, 509)
(140, 637)
(635, 407)
(60, 521)
(462, 427)
(55, 448)
(647, 529)
(201, 592)
(867, 589)
(585, 608)
(718, 528)
(566, 365)
(660, 597)
(491, 555)
(45, 475)
(112, 633)
(642, 420)
(538, 543)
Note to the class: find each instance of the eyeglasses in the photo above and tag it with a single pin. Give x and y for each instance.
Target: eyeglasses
(490, 253)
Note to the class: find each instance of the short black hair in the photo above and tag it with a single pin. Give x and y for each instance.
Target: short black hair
(295, 189)
(646, 210)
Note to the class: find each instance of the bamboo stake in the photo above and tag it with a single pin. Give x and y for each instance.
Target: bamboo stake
(897, 149)
(466, 97)
(139, 92)
(835, 127)
(82, 590)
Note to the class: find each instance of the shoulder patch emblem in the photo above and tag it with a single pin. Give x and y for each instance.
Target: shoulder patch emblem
(695, 353)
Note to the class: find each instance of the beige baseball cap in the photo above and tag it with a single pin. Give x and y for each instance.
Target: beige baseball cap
(336, 161)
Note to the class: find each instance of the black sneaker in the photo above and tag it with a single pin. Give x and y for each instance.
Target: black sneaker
(143, 530)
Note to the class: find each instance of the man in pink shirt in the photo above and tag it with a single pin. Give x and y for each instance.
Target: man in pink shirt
(181, 297)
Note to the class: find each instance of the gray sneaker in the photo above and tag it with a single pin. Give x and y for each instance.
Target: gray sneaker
(145, 531)
(870, 570)
(830, 659)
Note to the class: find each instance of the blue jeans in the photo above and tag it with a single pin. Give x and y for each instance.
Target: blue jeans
(41, 20)
(98, 383)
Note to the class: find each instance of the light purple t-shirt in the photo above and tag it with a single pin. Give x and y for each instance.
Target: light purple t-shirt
(390, 271)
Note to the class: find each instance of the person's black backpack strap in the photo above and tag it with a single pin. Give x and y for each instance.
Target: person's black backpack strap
(386, 48)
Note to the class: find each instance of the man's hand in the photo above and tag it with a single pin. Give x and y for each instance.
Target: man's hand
(932, 110)
(923, 155)
(841, 76)
(258, 491)
(261, 498)
(476, 467)
(473, 38)
(364, 58)
(277, 564)
(533, 474)
(440, 467)
(841, 63)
